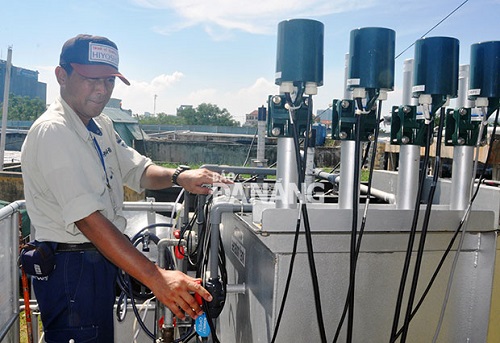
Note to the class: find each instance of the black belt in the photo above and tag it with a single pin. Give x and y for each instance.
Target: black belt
(67, 247)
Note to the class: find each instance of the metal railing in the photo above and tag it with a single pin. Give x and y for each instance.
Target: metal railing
(9, 282)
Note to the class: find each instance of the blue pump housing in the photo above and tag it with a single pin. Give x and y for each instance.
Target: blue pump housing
(436, 66)
(371, 58)
(299, 55)
(484, 78)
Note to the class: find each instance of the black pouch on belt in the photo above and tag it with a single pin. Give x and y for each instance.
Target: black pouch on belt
(37, 258)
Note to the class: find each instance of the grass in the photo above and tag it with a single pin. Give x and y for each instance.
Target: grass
(23, 333)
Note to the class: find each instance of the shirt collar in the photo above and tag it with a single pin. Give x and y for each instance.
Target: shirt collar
(93, 127)
(74, 121)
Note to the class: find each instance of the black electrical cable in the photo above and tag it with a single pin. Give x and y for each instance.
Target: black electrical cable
(136, 311)
(125, 284)
(250, 149)
(413, 229)
(363, 222)
(425, 226)
(288, 280)
(188, 228)
(432, 28)
(354, 226)
(303, 210)
(457, 231)
(124, 280)
(307, 228)
(203, 260)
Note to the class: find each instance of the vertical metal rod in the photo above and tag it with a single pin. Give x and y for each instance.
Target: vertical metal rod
(347, 181)
(261, 136)
(347, 150)
(407, 96)
(347, 90)
(409, 155)
(463, 86)
(409, 164)
(286, 174)
(463, 156)
(6, 91)
(461, 181)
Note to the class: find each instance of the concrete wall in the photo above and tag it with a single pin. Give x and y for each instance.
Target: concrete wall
(224, 153)
(204, 152)
(12, 188)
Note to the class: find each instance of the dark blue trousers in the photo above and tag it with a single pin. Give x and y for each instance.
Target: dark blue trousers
(76, 300)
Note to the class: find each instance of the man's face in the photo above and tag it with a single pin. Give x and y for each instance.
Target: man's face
(86, 96)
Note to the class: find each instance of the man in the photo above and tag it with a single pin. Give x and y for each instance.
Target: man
(74, 168)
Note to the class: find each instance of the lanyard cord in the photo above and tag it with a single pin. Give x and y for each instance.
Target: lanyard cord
(101, 157)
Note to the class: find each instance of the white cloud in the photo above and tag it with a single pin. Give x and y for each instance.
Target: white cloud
(46, 74)
(140, 95)
(256, 16)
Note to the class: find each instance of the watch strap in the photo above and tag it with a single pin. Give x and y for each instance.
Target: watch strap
(177, 172)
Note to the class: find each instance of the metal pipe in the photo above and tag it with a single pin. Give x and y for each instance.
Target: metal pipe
(215, 219)
(409, 164)
(461, 180)
(463, 87)
(377, 193)
(287, 177)
(161, 310)
(8, 325)
(346, 184)
(407, 96)
(347, 90)
(332, 178)
(239, 170)
(463, 156)
(9, 209)
(261, 136)
(200, 218)
(3, 135)
(236, 288)
(409, 155)
(151, 206)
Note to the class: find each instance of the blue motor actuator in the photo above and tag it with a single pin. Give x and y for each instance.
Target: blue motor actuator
(371, 58)
(436, 66)
(484, 78)
(299, 56)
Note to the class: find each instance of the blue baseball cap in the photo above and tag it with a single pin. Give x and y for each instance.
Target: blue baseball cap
(92, 56)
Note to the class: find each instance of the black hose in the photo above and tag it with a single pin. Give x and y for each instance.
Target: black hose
(425, 226)
(411, 238)
(455, 234)
(303, 210)
(363, 222)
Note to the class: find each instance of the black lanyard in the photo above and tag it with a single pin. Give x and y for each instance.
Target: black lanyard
(93, 129)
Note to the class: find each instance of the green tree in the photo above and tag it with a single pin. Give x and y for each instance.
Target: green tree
(162, 119)
(207, 114)
(24, 108)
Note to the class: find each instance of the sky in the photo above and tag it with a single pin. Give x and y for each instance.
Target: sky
(187, 52)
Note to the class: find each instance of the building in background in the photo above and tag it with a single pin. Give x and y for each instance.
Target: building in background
(125, 124)
(251, 119)
(23, 82)
(324, 117)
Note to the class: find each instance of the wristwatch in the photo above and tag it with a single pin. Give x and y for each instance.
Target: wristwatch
(180, 169)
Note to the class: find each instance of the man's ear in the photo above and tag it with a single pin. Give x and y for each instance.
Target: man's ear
(61, 75)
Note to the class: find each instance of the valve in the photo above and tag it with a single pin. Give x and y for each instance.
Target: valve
(179, 251)
(215, 288)
(201, 323)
